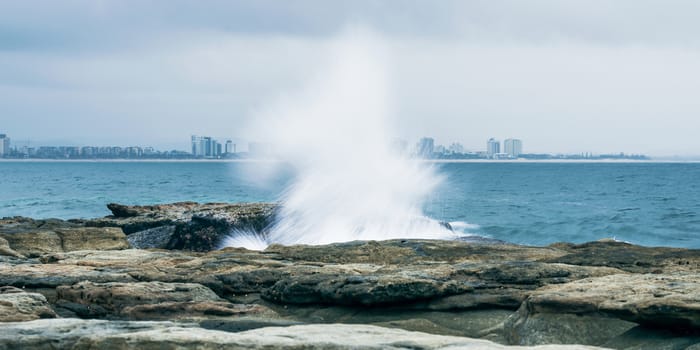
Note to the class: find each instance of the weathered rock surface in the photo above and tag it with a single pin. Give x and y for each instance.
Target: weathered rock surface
(629, 257)
(101, 299)
(597, 293)
(17, 305)
(7, 251)
(116, 335)
(157, 237)
(36, 237)
(184, 225)
(660, 300)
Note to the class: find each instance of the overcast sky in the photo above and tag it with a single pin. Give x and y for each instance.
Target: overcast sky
(563, 76)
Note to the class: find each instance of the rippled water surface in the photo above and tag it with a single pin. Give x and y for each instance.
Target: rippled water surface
(529, 203)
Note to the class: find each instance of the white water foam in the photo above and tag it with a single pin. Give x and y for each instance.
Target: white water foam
(351, 183)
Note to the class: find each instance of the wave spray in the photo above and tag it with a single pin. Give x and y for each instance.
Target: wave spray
(351, 182)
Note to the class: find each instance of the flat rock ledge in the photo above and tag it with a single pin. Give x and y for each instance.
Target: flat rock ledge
(116, 335)
(151, 277)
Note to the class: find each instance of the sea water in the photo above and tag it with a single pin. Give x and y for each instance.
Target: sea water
(656, 204)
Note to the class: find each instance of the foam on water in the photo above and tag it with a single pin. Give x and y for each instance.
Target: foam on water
(336, 132)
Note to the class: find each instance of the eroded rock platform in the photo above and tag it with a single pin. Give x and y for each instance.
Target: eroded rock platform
(84, 284)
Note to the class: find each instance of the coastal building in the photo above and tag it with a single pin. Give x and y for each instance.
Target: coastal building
(493, 147)
(205, 146)
(4, 145)
(230, 147)
(424, 148)
(513, 147)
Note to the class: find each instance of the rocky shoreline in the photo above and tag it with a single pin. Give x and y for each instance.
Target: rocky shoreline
(152, 277)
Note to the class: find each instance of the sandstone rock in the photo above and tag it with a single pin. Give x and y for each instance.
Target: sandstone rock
(114, 297)
(194, 310)
(64, 333)
(17, 305)
(667, 301)
(413, 251)
(54, 275)
(7, 251)
(92, 238)
(35, 241)
(116, 335)
(357, 290)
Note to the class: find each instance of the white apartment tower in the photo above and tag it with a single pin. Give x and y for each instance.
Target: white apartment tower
(4, 145)
(493, 147)
(513, 147)
(230, 147)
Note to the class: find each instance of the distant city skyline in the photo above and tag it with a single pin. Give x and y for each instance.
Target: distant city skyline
(567, 77)
(208, 147)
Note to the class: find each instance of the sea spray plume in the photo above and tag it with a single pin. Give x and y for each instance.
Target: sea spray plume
(350, 183)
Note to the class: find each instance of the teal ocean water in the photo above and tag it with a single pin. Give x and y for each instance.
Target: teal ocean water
(656, 204)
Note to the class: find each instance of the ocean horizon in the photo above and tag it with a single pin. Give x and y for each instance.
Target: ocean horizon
(533, 203)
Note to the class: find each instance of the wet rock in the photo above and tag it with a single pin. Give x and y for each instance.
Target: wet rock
(17, 305)
(134, 218)
(157, 237)
(629, 257)
(657, 339)
(669, 301)
(525, 328)
(184, 225)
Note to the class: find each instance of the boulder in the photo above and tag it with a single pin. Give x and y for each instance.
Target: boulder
(16, 305)
(184, 225)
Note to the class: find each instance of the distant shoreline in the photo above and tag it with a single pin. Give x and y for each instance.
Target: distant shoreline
(486, 161)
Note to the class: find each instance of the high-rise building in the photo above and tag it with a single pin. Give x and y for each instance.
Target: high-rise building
(513, 147)
(205, 146)
(493, 147)
(230, 147)
(424, 148)
(4, 145)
